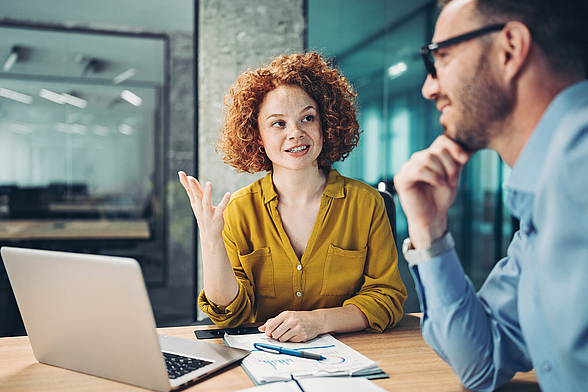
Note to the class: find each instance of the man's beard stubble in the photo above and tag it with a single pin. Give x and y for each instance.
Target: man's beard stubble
(485, 108)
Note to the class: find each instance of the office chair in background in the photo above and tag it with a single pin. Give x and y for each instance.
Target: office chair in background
(390, 210)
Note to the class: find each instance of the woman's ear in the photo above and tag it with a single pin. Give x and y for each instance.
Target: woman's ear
(514, 46)
(260, 145)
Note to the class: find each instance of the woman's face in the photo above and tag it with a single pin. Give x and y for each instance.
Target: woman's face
(290, 128)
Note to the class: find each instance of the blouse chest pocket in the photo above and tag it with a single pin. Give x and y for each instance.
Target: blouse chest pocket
(343, 274)
(259, 268)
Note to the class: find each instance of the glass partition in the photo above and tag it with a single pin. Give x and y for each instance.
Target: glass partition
(375, 44)
(81, 141)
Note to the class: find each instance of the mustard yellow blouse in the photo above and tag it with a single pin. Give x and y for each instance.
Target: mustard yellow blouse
(350, 257)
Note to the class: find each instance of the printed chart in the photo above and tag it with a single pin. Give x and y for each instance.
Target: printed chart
(264, 367)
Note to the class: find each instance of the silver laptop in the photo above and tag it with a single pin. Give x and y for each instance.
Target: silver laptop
(92, 314)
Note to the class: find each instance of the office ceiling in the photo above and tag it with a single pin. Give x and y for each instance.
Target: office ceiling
(337, 27)
(163, 15)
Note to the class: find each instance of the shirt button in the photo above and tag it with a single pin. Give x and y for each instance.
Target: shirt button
(546, 366)
(298, 294)
(298, 267)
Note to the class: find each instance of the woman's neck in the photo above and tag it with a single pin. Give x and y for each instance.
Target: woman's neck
(300, 186)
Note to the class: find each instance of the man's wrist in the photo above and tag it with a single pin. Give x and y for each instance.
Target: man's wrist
(437, 248)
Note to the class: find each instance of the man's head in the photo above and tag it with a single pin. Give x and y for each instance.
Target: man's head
(476, 76)
(558, 27)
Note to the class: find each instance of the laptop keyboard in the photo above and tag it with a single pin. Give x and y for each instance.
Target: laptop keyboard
(178, 365)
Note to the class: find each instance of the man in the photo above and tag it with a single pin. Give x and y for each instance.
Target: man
(507, 75)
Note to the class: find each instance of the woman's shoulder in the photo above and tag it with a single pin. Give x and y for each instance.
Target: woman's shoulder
(249, 194)
(360, 188)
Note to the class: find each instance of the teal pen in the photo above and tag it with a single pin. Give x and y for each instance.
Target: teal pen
(282, 350)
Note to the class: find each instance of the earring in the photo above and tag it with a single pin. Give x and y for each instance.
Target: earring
(261, 149)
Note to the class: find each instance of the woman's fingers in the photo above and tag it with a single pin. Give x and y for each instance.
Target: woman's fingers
(208, 216)
(223, 203)
(287, 326)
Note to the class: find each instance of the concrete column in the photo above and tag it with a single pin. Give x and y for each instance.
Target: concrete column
(235, 35)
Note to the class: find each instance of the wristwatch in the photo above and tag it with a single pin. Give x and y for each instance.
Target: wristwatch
(438, 247)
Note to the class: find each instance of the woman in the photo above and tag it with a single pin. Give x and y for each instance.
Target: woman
(303, 249)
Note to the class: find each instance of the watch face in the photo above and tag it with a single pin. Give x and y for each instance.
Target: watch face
(406, 245)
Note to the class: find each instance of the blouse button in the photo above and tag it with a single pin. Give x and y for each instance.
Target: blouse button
(298, 267)
(298, 294)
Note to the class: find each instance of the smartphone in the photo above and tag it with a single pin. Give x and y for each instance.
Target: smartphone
(219, 333)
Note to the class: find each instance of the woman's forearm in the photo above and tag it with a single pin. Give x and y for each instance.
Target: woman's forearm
(343, 319)
(220, 283)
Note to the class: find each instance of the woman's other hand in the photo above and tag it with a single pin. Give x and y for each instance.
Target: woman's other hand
(291, 326)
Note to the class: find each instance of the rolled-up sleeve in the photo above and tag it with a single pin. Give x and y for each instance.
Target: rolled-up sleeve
(382, 293)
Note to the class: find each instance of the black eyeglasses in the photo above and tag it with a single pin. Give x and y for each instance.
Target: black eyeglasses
(428, 49)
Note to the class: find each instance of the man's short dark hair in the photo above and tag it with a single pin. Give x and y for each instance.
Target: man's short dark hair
(559, 27)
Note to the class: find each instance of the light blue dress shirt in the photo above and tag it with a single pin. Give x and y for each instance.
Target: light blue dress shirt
(532, 311)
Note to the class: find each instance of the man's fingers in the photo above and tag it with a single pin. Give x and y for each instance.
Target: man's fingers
(422, 167)
(457, 153)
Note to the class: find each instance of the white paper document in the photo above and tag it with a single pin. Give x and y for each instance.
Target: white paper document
(264, 367)
(319, 384)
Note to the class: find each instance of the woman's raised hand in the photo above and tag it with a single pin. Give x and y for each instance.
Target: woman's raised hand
(210, 218)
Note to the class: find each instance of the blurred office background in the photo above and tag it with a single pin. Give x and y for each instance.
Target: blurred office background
(101, 103)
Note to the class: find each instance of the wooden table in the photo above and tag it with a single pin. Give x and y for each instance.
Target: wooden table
(411, 364)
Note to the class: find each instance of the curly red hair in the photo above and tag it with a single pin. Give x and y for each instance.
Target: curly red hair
(239, 141)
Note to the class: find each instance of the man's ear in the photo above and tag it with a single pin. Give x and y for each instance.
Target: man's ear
(514, 45)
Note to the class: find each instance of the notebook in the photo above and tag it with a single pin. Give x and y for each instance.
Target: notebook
(264, 366)
(319, 384)
(91, 314)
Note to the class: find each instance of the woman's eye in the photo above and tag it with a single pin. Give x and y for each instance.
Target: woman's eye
(278, 124)
(308, 118)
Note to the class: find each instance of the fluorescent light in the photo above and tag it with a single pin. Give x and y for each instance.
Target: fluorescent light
(129, 73)
(6, 93)
(100, 130)
(74, 101)
(125, 129)
(18, 127)
(51, 96)
(131, 98)
(12, 57)
(63, 98)
(78, 129)
(396, 70)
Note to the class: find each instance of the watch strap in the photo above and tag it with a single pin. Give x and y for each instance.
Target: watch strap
(437, 248)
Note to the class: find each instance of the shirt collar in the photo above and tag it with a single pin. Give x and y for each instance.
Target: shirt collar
(527, 169)
(335, 186)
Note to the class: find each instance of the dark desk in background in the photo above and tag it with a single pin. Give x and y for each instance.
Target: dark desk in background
(51, 229)
(66, 235)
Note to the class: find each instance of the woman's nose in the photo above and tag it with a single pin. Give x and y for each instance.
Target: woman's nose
(296, 133)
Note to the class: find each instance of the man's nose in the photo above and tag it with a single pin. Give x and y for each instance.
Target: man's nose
(430, 88)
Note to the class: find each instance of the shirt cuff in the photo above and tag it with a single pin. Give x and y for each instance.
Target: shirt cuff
(442, 280)
(218, 313)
